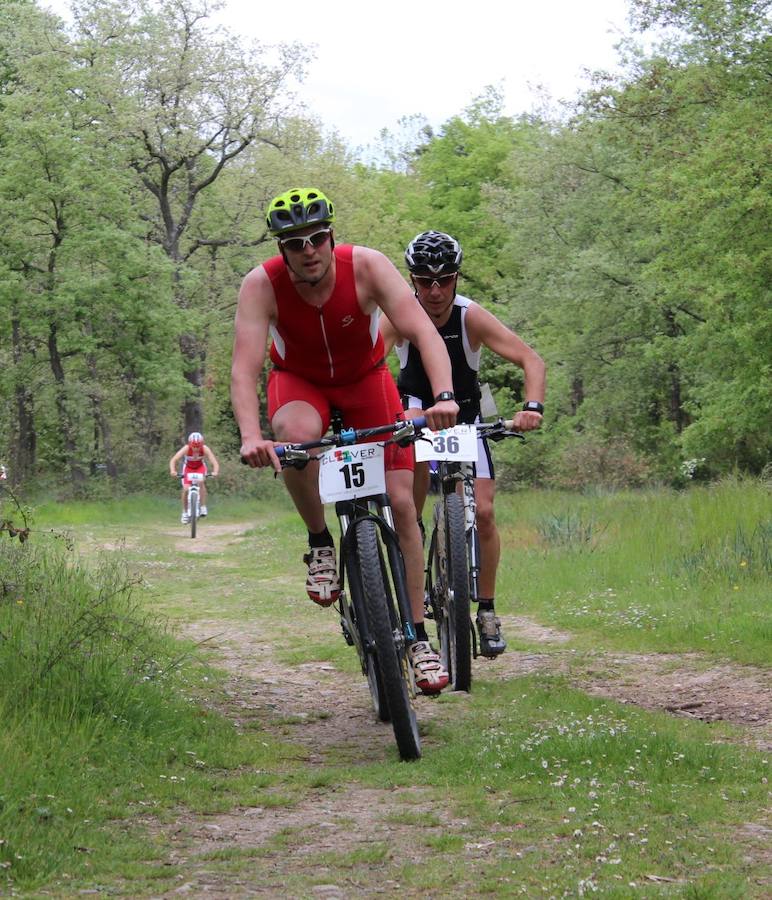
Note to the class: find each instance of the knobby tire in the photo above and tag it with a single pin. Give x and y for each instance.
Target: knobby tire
(193, 507)
(369, 662)
(454, 626)
(391, 662)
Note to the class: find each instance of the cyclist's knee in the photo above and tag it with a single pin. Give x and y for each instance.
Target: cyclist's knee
(296, 422)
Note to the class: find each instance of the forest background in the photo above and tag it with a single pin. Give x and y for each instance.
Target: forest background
(625, 238)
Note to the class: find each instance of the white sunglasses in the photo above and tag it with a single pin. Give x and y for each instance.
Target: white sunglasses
(298, 244)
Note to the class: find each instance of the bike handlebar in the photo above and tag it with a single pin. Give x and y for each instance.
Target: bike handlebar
(407, 430)
(404, 431)
(498, 430)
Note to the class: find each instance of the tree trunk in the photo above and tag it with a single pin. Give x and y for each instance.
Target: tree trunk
(103, 434)
(24, 441)
(577, 394)
(77, 475)
(676, 411)
(193, 355)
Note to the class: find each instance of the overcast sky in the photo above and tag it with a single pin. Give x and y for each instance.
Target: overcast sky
(378, 62)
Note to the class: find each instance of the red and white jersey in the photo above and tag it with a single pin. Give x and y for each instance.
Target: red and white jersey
(332, 345)
(193, 456)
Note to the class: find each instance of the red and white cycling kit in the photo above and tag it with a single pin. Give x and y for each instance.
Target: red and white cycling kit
(194, 462)
(332, 356)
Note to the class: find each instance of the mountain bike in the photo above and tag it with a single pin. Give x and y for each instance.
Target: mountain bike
(194, 499)
(374, 606)
(453, 557)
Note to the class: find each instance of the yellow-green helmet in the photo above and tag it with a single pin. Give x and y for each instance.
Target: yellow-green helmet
(297, 208)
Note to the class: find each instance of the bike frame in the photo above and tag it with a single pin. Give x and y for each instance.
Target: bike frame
(375, 612)
(377, 509)
(451, 474)
(193, 498)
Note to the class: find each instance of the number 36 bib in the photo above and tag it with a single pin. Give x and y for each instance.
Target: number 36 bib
(456, 444)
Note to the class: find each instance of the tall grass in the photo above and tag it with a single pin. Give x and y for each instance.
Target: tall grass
(663, 570)
(100, 712)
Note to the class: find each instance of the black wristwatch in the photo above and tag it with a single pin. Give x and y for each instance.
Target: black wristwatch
(445, 395)
(533, 406)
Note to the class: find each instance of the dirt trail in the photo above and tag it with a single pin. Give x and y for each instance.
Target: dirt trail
(329, 715)
(686, 684)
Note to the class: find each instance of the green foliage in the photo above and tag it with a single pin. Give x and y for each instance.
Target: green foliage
(644, 267)
(459, 166)
(627, 243)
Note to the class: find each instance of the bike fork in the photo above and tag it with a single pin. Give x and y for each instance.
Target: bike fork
(397, 565)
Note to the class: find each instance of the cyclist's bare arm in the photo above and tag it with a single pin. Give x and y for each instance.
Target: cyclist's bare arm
(484, 329)
(379, 282)
(175, 459)
(389, 334)
(212, 459)
(255, 312)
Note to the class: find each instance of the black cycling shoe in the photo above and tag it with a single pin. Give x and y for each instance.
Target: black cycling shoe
(489, 628)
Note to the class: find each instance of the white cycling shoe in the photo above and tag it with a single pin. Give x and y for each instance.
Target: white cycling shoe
(430, 676)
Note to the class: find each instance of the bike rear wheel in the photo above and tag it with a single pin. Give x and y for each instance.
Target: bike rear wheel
(452, 579)
(389, 643)
(193, 507)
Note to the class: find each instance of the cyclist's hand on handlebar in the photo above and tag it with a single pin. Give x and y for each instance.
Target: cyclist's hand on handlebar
(260, 453)
(527, 420)
(441, 415)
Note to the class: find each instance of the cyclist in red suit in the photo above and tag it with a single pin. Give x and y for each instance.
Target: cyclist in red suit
(196, 453)
(320, 304)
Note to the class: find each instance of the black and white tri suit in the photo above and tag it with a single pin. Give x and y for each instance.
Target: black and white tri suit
(416, 390)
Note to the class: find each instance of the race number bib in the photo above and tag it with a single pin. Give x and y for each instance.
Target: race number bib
(456, 444)
(349, 472)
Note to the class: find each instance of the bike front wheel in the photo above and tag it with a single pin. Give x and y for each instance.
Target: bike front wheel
(451, 571)
(355, 611)
(193, 507)
(389, 643)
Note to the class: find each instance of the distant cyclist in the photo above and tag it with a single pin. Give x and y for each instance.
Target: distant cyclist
(434, 259)
(195, 453)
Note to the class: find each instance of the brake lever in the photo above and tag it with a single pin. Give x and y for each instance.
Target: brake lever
(295, 458)
(405, 435)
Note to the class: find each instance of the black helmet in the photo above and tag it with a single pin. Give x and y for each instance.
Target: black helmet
(433, 253)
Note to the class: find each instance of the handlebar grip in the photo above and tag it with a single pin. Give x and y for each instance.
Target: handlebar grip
(419, 422)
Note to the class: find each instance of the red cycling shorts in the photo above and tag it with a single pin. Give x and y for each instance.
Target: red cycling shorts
(373, 400)
(193, 466)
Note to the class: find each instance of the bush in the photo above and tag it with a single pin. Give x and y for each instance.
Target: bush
(591, 462)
